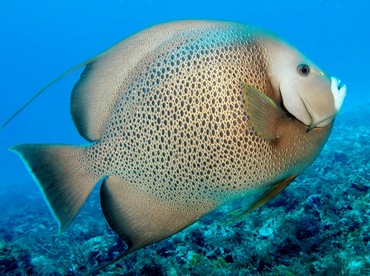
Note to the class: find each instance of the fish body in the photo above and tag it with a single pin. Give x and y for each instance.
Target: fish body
(182, 118)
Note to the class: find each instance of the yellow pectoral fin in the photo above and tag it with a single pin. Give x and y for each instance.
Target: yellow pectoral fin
(264, 198)
(263, 112)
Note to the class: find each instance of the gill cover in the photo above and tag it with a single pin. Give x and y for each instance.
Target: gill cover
(306, 92)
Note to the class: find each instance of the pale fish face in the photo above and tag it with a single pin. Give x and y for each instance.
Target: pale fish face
(307, 93)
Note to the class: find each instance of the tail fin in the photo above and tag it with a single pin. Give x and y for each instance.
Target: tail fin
(63, 175)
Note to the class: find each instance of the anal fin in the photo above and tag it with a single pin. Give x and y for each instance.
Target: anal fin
(141, 218)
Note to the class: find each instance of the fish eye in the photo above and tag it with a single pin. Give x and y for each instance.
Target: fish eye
(304, 70)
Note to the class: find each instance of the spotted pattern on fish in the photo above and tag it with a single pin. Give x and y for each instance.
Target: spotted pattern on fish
(182, 118)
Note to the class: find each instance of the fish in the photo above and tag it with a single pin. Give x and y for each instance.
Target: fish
(184, 117)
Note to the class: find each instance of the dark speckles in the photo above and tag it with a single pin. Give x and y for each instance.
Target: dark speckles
(186, 111)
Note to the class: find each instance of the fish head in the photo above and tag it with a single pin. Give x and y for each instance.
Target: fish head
(306, 92)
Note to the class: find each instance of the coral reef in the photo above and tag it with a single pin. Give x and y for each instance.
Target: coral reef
(318, 225)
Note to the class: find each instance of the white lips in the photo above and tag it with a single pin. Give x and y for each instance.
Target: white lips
(339, 94)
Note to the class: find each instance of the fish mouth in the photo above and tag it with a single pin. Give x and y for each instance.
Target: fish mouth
(339, 91)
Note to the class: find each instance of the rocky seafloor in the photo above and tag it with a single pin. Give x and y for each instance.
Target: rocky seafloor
(318, 225)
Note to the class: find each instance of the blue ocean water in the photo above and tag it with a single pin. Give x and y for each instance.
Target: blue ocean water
(42, 39)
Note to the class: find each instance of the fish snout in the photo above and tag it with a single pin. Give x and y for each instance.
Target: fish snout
(339, 93)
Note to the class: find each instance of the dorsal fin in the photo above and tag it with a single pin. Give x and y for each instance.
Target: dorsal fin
(106, 79)
(96, 93)
(34, 97)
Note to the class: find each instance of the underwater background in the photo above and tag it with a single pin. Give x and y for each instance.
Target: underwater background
(318, 225)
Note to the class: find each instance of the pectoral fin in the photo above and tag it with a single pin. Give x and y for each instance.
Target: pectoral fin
(264, 113)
